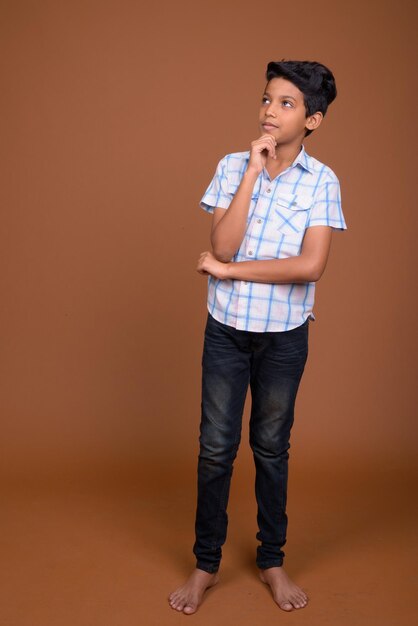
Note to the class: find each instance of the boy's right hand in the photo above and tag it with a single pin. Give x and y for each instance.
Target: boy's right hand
(260, 149)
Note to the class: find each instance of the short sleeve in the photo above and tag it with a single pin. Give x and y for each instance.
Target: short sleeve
(217, 195)
(326, 209)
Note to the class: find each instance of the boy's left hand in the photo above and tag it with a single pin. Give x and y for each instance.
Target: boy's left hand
(208, 264)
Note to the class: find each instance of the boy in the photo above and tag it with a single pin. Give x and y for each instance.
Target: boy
(274, 209)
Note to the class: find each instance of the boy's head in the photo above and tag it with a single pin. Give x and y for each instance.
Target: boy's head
(313, 79)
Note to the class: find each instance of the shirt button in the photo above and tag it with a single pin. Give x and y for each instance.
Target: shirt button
(259, 221)
(250, 253)
(268, 190)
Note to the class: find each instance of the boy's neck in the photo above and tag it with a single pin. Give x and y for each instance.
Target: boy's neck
(285, 155)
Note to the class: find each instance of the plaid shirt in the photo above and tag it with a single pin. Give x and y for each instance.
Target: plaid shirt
(306, 194)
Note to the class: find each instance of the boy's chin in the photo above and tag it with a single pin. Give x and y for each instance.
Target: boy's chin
(270, 131)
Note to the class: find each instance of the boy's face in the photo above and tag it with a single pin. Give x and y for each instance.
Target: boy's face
(282, 112)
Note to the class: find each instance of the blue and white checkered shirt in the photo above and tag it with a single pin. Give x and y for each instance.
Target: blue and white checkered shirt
(306, 194)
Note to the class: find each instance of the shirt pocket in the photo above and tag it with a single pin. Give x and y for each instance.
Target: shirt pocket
(291, 212)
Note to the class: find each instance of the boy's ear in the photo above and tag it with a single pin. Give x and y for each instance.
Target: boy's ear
(313, 121)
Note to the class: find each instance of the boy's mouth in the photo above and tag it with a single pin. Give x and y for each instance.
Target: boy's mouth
(268, 126)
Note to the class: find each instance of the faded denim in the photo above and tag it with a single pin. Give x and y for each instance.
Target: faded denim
(272, 365)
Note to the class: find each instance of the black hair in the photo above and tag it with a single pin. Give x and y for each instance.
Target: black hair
(314, 80)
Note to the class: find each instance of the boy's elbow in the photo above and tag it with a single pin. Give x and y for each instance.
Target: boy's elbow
(315, 271)
(224, 256)
(311, 268)
(314, 277)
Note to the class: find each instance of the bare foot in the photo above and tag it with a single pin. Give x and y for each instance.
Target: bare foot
(287, 595)
(188, 597)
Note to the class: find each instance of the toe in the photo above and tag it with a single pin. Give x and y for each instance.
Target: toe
(178, 605)
(189, 608)
(286, 606)
(299, 602)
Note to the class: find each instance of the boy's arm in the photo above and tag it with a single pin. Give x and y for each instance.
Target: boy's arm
(229, 225)
(308, 266)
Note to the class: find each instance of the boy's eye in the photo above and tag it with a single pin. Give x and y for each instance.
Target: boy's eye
(265, 99)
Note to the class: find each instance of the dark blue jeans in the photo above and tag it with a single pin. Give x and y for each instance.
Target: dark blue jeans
(272, 365)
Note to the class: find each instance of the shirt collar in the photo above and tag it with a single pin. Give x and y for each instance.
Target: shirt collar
(303, 159)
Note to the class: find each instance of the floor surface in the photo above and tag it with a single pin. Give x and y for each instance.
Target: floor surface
(92, 554)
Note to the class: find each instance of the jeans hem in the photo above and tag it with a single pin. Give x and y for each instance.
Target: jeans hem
(268, 564)
(210, 569)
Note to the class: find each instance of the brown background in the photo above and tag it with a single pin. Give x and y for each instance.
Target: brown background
(114, 116)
